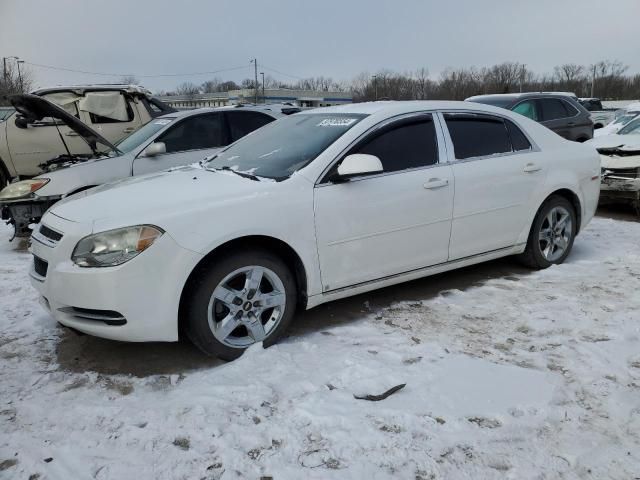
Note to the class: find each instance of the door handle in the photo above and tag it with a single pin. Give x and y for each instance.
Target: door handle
(531, 167)
(128, 130)
(72, 134)
(571, 124)
(434, 183)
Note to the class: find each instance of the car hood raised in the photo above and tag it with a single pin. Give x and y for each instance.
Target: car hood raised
(35, 108)
(150, 198)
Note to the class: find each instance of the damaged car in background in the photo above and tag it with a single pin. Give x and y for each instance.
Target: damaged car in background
(168, 141)
(114, 111)
(620, 160)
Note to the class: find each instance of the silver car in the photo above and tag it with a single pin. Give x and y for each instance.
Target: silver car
(175, 139)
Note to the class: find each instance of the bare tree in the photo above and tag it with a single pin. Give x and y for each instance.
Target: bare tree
(211, 86)
(188, 88)
(129, 80)
(13, 81)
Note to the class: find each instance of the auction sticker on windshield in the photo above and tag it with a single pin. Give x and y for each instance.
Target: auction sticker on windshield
(162, 122)
(337, 122)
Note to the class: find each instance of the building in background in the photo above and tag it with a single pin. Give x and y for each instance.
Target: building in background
(300, 98)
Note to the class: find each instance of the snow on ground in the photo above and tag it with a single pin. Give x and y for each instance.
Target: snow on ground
(529, 375)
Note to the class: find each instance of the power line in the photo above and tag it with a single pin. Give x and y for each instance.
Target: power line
(282, 73)
(51, 67)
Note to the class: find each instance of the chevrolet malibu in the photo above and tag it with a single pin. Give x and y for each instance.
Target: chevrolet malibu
(317, 206)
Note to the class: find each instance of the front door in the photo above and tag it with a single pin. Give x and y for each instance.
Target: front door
(388, 223)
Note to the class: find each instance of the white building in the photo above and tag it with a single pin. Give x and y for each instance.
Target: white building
(300, 98)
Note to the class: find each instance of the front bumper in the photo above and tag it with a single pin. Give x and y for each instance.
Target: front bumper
(615, 189)
(137, 301)
(22, 212)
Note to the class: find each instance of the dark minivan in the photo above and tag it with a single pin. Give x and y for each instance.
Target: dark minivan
(558, 112)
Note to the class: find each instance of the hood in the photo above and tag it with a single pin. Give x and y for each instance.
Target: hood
(617, 144)
(33, 108)
(149, 198)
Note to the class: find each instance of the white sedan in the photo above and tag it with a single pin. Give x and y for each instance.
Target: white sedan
(317, 206)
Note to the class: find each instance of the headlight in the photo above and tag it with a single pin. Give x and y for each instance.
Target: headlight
(23, 188)
(114, 247)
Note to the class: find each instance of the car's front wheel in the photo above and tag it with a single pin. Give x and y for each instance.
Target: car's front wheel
(552, 234)
(240, 300)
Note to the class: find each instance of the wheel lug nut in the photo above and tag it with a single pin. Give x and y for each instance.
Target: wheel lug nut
(237, 301)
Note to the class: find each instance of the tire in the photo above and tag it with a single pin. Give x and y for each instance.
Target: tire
(4, 177)
(226, 314)
(548, 245)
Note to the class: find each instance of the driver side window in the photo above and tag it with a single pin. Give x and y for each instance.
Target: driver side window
(406, 144)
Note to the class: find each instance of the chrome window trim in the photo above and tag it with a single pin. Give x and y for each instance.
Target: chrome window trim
(439, 140)
(452, 159)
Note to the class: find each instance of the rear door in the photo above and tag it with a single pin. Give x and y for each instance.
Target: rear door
(496, 170)
(555, 114)
(187, 141)
(392, 222)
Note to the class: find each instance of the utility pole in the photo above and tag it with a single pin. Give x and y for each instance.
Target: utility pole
(522, 77)
(593, 82)
(255, 71)
(375, 85)
(18, 62)
(4, 70)
(264, 99)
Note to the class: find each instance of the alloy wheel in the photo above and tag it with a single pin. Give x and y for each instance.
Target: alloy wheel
(555, 233)
(246, 306)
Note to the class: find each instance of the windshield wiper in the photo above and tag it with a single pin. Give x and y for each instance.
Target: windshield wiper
(250, 176)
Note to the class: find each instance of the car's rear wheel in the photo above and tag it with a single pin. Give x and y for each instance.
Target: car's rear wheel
(552, 234)
(240, 300)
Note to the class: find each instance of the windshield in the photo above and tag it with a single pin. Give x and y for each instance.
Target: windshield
(286, 145)
(624, 119)
(632, 128)
(141, 135)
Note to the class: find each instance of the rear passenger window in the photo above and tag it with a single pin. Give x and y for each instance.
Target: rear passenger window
(518, 139)
(407, 144)
(242, 123)
(527, 108)
(477, 135)
(553, 109)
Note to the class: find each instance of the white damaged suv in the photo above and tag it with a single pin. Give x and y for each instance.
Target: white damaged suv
(320, 205)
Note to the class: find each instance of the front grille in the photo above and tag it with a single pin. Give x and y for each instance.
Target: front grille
(50, 234)
(40, 266)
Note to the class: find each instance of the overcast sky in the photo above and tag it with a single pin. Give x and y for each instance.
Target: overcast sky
(336, 38)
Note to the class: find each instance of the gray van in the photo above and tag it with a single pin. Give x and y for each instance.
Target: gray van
(559, 112)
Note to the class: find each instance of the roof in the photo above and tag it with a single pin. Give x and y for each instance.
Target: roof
(93, 87)
(399, 107)
(516, 96)
(275, 110)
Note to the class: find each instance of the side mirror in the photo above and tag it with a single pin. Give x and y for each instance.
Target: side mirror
(21, 122)
(156, 148)
(359, 164)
